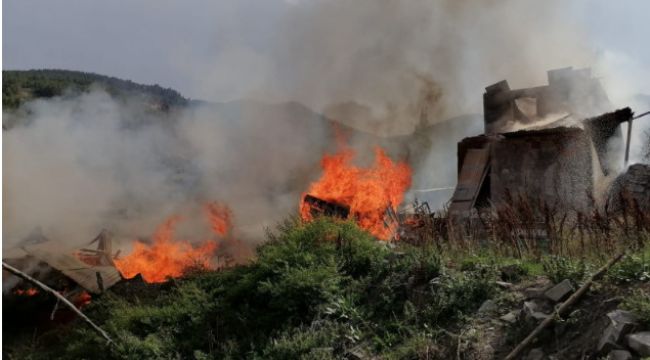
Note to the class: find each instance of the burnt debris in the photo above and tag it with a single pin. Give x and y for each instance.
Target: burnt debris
(84, 269)
(320, 207)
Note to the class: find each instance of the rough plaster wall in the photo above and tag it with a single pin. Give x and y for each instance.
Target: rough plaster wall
(556, 167)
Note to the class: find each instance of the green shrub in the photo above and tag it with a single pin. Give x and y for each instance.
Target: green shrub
(418, 346)
(514, 272)
(639, 304)
(454, 295)
(324, 340)
(632, 268)
(558, 268)
(156, 330)
(511, 270)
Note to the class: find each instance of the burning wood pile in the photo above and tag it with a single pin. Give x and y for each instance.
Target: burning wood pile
(370, 196)
(79, 272)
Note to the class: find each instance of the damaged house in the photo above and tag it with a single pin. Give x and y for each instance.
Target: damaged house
(547, 142)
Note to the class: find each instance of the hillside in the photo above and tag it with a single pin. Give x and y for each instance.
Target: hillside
(19, 86)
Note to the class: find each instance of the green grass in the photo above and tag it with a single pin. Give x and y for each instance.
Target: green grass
(316, 290)
(633, 268)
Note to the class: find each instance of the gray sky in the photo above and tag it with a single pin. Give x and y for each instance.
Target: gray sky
(192, 45)
(147, 41)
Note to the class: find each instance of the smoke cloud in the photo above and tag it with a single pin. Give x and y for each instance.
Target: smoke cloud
(385, 66)
(77, 164)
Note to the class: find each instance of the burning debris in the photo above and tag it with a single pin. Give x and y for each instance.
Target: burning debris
(363, 194)
(319, 207)
(73, 272)
(82, 270)
(26, 292)
(167, 256)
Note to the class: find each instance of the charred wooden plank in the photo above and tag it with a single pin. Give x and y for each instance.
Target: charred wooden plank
(321, 207)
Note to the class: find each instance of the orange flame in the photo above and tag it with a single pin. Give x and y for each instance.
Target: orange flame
(220, 218)
(368, 192)
(27, 292)
(166, 257)
(82, 299)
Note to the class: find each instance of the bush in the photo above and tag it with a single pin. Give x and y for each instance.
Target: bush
(459, 294)
(511, 270)
(319, 341)
(632, 268)
(639, 304)
(175, 325)
(421, 345)
(558, 268)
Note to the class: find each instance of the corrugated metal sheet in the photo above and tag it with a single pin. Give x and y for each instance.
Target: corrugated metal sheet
(471, 177)
(83, 274)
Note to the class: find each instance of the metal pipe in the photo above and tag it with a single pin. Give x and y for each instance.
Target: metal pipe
(641, 115)
(435, 189)
(629, 138)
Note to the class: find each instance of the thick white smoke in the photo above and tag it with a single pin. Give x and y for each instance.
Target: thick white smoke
(77, 164)
(372, 63)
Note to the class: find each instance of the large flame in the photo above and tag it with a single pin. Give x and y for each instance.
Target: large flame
(166, 256)
(368, 192)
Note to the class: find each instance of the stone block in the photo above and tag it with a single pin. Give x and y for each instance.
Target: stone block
(560, 291)
(640, 343)
(619, 355)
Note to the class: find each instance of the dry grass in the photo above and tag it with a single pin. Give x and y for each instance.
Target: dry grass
(529, 227)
